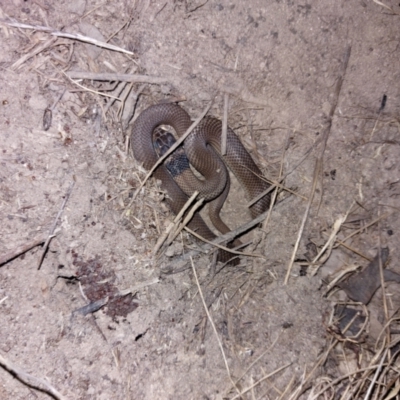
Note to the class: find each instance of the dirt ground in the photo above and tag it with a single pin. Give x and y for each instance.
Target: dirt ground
(280, 63)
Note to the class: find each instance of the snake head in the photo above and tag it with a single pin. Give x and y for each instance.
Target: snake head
(162, 141)
(177, 162)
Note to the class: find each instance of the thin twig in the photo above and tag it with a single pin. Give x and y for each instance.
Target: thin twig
(260, 380)
(59, 97)
(109, 76)
(275, 194)
(212, 243)
(278, 336)
(187, 219)
(76, 36)
(337, 278)
(22, 249)
(377, 371)
(126, 24)
(339, 242)
(330, 242)
(213, 326)
(366, 226)
(116, 92)
(38, 49)
(30, 380)
(341, 378)
(138, 286)
(303, 222)
(224, 238)
(382, 279)
(265, 192)
(318, 164)
(51, 233)
(227, 237)
(172, 227)
(191, 199)
(90, 90)
(385, 6)
(274, 184)
(321, 360)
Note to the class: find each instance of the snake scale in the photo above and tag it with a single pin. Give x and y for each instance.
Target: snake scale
(202, 148)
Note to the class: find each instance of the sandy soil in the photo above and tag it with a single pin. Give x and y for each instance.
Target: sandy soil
(280, 62)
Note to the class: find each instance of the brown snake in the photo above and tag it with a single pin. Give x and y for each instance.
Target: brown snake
(202, 148)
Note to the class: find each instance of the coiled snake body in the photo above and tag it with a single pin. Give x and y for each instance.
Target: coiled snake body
(202, 148)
